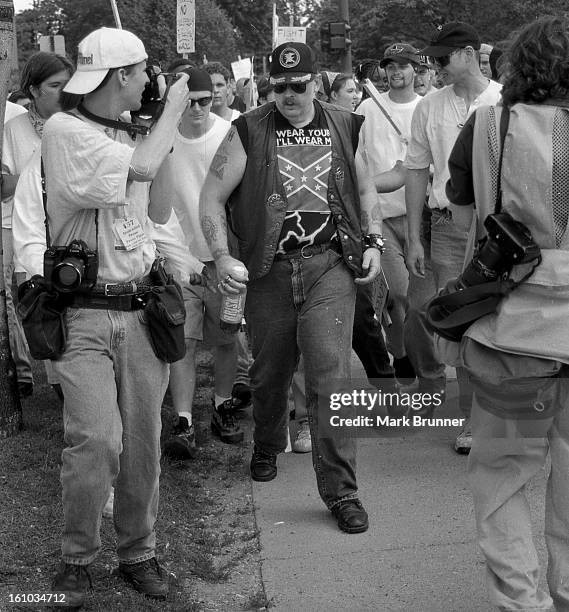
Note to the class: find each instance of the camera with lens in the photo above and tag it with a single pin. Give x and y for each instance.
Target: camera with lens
(485, 281)
(152, 101)
(508, 243)
(71, 268)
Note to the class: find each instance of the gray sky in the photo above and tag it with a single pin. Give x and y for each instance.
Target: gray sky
(20, 5)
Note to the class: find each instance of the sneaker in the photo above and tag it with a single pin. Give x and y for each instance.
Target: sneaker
(302, 443)
(73, 581)
(225, 425)
(437, 397)
(351, 516)
(404, 371)
(108, 509)
(263, 465)
(182, 443)
(463, 442)
(146, 577)
(241, 396)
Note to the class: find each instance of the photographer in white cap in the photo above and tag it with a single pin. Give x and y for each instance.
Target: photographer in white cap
(97, 173)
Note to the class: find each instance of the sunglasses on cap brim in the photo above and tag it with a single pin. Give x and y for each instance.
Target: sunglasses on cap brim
(298, 88)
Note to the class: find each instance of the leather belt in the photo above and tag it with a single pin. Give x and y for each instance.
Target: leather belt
(109, 302)
(132, 287)
(308, 251)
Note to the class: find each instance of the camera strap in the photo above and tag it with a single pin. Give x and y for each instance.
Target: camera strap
(504, 122)
(132, 129)
(44, 201)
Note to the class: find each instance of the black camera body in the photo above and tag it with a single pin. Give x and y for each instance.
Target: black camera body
(508, 243)
(152, 103)
(71, 268)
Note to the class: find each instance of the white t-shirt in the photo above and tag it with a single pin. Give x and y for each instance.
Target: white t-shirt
(436, 123)
(382, 146)
(181, 177)
(20, 142)
(86, 167)
(13, 110)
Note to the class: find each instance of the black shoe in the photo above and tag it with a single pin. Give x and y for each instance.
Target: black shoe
(404, 371)
(351, 516)
(25, 389)
(182, 443)
(241, 396)
(225, 425)
(146, 577)
(73, 581)
(263, 465)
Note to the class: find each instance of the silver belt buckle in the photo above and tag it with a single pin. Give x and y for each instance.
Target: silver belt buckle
(107, 285)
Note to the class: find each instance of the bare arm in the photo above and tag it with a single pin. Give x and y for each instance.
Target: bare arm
(391, 180)
(371, 219)
(151, 152)
(415, 192)
(225, 174)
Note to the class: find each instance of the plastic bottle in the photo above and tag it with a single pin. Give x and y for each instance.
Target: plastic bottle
(233, 306)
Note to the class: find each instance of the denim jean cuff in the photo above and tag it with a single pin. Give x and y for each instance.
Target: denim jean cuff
(137, 559)
(75, 561)
(350, 496)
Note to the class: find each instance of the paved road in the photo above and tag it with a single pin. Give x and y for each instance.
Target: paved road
(420, 552)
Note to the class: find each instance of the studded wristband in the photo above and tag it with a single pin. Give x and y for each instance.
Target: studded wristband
(374, 241)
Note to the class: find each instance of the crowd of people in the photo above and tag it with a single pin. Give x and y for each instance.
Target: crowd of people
(307, 190)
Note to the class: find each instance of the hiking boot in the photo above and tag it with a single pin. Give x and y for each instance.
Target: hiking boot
(225, 425)
(351, 516)
(146, 577)
(241, 396)
(182, 443)
(302, 443)
(263, 465)
(73, 581)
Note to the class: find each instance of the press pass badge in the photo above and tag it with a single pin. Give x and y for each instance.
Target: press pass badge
(129, 232)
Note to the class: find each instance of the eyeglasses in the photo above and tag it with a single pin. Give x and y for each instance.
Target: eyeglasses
(201, 101)
(298, 88)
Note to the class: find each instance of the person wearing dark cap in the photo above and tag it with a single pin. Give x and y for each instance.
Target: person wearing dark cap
(179, 181)
(425, 77)
(97, 171)
(436, 123)
(308, 224)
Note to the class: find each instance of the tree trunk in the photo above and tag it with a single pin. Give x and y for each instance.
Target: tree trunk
(10, 408)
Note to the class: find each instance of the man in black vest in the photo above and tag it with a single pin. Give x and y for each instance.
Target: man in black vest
(307, 222)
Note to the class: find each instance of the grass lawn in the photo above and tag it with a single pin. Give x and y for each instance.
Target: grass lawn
(207, 536)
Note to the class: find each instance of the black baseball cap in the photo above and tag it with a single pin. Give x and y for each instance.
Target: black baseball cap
(292, 62)
(450, 37)
(402, 53)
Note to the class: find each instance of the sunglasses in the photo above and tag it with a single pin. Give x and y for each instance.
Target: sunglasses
(298, 88)
(201, 101)
(444, 60)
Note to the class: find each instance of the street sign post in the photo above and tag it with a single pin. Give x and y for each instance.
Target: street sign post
(186, 26)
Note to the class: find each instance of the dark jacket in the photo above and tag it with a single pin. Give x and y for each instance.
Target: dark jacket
(257, 208)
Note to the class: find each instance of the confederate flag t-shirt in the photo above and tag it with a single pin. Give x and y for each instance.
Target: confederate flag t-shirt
(304, 158)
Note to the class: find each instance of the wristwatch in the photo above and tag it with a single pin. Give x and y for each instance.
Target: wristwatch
(374, 241)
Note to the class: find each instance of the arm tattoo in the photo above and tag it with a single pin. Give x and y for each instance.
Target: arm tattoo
(376, 215)
(218, 163)
(364, 220)
(210, 229)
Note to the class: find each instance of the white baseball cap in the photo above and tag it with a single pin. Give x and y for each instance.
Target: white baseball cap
(100, 51)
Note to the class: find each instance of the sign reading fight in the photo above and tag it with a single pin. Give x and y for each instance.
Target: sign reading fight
(290, 35)
(186, 26)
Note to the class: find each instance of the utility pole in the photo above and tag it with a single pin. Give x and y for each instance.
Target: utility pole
(346, 58)
(10, 408)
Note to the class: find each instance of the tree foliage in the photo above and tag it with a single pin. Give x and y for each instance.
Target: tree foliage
(154, 21)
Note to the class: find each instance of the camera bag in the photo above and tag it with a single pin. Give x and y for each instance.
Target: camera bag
(451, 314)
(165, 315)
(42, 314)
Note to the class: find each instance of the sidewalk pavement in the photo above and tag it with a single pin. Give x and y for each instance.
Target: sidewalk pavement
(419, 553)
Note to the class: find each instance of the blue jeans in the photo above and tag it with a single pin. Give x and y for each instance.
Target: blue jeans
(113, 386)
(303, 306)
